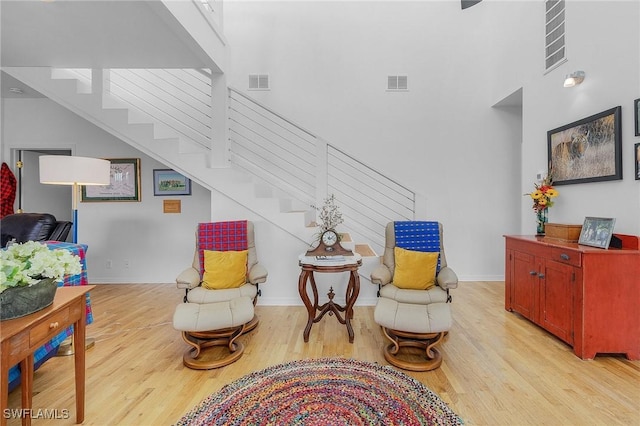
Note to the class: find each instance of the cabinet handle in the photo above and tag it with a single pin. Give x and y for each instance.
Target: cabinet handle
(533, 273)
(53, 325)
(541, 275)
(564, 256)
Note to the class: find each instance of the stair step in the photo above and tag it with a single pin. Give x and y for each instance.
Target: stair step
(365, 250)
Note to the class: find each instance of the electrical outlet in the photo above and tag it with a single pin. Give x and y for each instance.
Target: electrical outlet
(108, 264)
(127, 263)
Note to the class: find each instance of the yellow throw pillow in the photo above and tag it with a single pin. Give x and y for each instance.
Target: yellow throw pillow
(415, 270)
(224, 269)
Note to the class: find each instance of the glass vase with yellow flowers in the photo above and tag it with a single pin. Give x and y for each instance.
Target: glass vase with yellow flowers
(542, 199)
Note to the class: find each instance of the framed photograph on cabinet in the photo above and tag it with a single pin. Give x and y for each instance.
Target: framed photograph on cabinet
(636, 158)
(170, 182)
(597, 231)
(124, 186)
(636, 114)
(588, 150)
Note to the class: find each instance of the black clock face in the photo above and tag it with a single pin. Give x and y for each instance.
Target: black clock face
(329, 238)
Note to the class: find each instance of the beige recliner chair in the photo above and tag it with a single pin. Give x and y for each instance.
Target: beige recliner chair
(221, 291)
(413, 307)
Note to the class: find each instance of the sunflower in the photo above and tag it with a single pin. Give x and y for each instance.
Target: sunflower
(536, 195)
(543, 194)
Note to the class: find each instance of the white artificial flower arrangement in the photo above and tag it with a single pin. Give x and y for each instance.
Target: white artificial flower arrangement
(330, 215)
(26, 264)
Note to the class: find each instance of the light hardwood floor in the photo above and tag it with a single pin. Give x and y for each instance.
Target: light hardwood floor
(498, 368)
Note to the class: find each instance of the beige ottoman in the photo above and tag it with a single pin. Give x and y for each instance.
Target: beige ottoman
(212, 324)
(416, 326)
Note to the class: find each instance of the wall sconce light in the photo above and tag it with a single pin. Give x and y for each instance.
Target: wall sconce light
(574, 78)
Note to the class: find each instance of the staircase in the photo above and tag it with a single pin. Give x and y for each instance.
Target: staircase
(275, 168)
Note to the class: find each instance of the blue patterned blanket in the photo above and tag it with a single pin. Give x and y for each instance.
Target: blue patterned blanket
(50, 348)
(418, 236)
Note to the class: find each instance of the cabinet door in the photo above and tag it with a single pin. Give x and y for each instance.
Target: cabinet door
(556, 299)
(524, 285)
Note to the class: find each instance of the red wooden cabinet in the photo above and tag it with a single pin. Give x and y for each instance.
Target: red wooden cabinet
(588, 297)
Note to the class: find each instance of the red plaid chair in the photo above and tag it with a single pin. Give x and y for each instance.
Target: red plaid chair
(216, 317)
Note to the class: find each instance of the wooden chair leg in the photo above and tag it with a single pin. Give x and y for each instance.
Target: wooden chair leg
(196, 357)
(430, 357)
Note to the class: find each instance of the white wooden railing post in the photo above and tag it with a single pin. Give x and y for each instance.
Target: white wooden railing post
(219, 125)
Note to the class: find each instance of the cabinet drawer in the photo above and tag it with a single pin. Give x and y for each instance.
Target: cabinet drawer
(570, 257)
(49, 328)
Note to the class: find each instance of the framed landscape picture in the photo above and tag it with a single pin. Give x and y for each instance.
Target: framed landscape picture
(124, 186)
(588, 150)
(597, 231)
(170, 182)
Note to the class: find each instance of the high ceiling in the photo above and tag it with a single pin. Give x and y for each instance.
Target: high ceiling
(93, 34)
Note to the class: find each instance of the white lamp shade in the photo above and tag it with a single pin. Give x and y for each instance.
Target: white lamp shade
(68, 170)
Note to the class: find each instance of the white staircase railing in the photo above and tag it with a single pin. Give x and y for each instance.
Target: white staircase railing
(304, 166)
(368, 198)
(180, 98)
(266, 145)
(272, 148)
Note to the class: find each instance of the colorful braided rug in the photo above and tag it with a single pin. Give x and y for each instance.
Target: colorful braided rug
(321, 392)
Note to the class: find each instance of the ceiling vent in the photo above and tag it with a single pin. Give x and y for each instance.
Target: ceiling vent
(554, 33)
(258, 81)
(397, 82)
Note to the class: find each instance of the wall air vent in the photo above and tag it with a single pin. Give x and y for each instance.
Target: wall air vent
(554, 34)
(258, 82)
(397, 82)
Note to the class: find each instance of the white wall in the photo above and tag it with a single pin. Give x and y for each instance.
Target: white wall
(158, 246)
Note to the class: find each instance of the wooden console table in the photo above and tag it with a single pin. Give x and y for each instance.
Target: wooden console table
(20, 337)
(588, 297)
(316, 312)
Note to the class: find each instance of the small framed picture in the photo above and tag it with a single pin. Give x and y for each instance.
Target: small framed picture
(124, 186)
(597, 232)
(171, 183)
(636, 112)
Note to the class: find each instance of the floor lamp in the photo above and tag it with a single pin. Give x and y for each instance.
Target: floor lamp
(74, 171)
